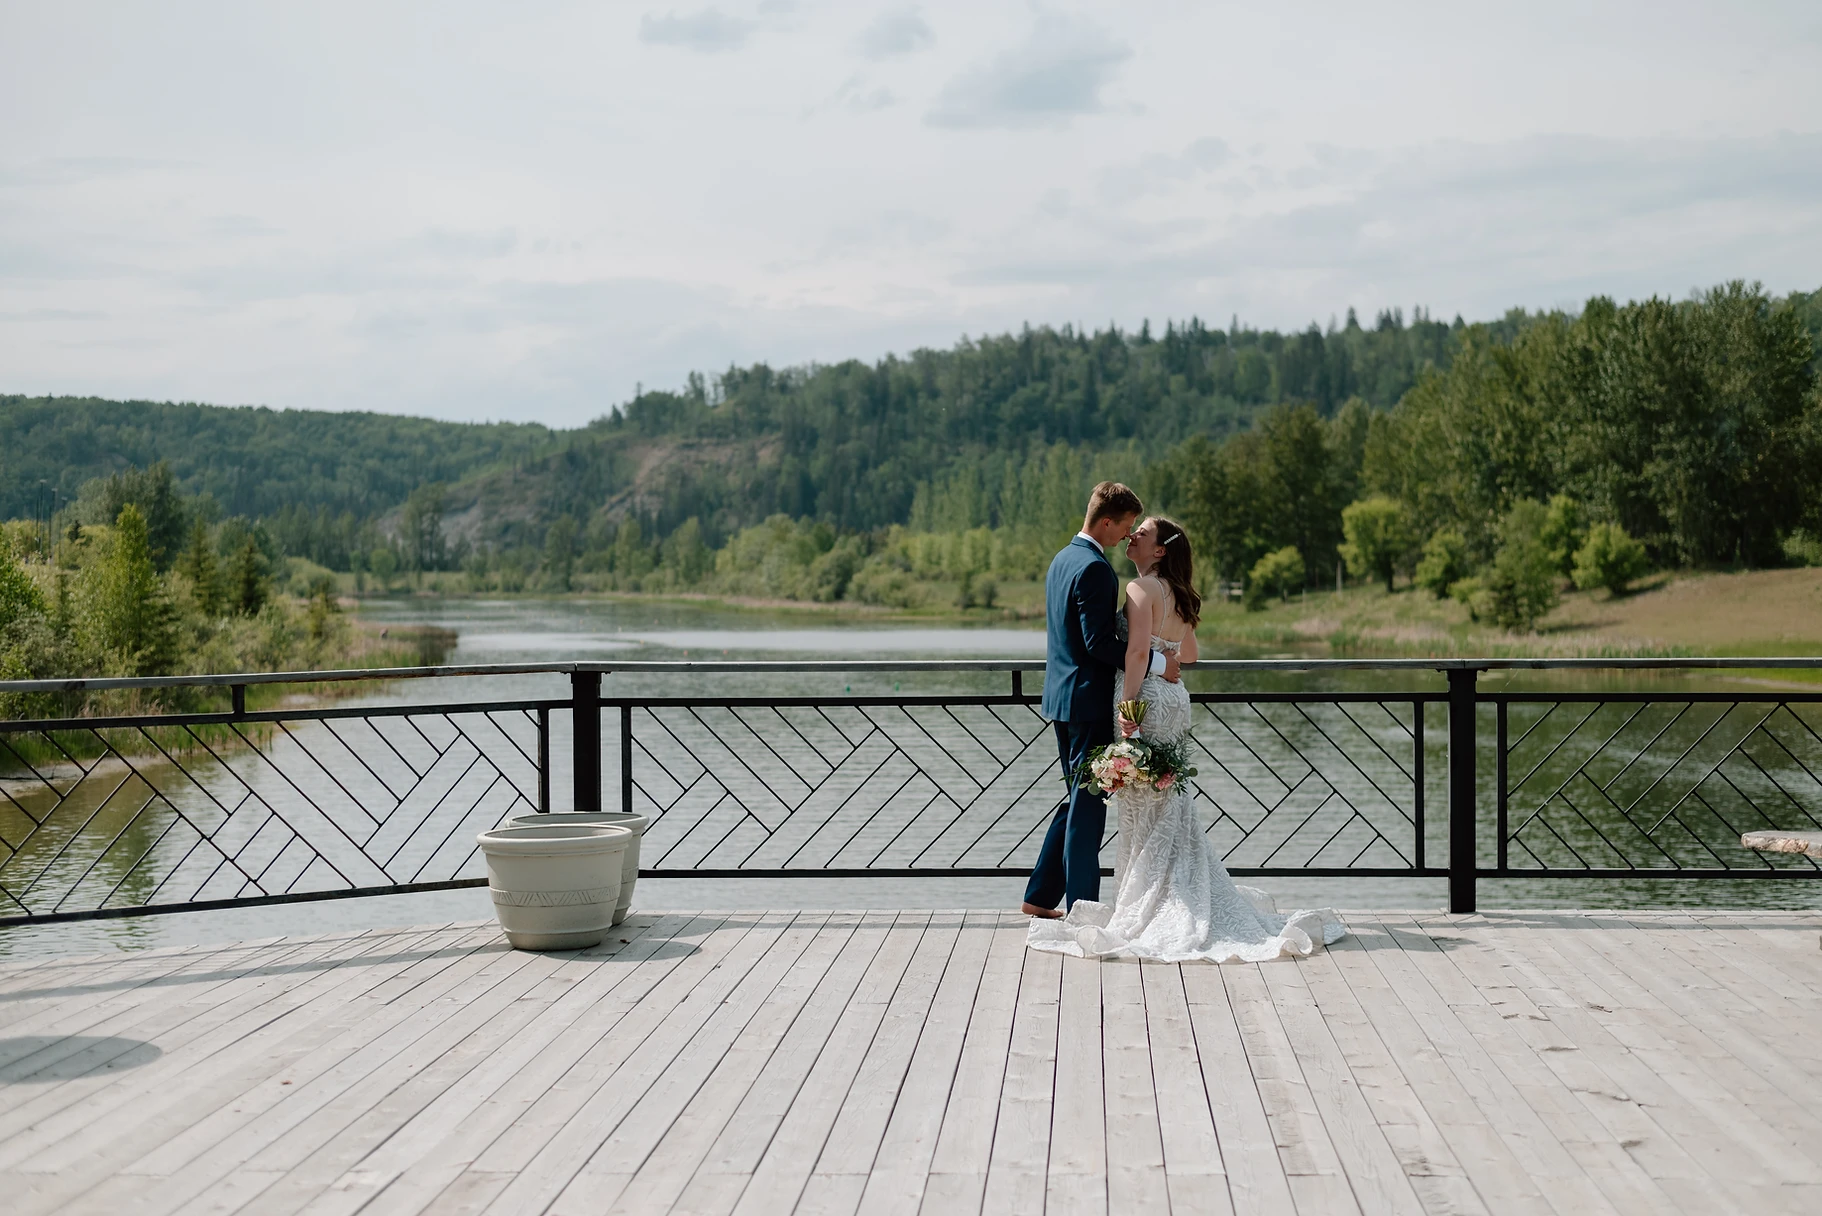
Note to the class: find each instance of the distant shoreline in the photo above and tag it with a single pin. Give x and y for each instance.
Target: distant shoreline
(1744, 613)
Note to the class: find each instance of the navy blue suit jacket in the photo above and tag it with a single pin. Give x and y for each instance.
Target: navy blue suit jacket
(1083, 654)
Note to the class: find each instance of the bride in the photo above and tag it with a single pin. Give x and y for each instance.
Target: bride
(1173, 899)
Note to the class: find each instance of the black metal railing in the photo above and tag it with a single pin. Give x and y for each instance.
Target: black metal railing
(964, 785)
(162, 812)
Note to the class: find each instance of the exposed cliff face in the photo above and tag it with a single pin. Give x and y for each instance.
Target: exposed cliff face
(603, 479)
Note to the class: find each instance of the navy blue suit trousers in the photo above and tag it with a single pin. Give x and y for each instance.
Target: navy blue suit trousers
(1069, 864)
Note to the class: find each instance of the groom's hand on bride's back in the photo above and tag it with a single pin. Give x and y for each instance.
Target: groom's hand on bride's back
(1173, 669)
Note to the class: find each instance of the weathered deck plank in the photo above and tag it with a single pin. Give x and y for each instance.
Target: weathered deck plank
(925, 1062)
(781, 1172)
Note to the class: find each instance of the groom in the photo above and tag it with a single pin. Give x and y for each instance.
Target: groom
(1083, 659)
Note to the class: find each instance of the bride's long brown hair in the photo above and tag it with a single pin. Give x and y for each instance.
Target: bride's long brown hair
(1176, 567)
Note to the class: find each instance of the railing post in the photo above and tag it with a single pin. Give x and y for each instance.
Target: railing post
(1462, 784)
(585, 700)
(544, 759)
(237, 700)
(626, 758)
(1499, 789)
(1417, 780)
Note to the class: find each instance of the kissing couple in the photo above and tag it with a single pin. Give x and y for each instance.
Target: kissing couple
(1173, 899)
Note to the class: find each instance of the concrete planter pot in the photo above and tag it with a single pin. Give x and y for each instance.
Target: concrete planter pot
(555, 886)
(629, 875)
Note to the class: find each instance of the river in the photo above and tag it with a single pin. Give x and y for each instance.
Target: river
(510, 631)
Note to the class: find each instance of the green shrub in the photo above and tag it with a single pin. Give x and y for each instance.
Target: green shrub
(831, 573)
(1280, 572)
(1803, 548)
(1472, 595)
(1610, 558)
(303, 577)
(19, 595)
(976, 591)
(382, 561)
(477, 569)
(1444, 562)
(1378, 535)
(1563, 532)
(884, 580)
(688, 554)
(1521, 584)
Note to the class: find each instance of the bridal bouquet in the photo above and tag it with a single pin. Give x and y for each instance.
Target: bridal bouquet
(1136, 762)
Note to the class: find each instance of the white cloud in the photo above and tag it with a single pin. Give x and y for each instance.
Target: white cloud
(1163, 172)
(896, 32)
(860, 96)
(535, 209)
(1057, 73)
(706, 29)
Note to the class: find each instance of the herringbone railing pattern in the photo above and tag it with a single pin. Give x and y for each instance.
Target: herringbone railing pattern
(165, 812)
(1289, 785)
(1656, 785)
(95, 817)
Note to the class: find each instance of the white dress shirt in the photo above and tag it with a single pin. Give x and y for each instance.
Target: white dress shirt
(1157, 656)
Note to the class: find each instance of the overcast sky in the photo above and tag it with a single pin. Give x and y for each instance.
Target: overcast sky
(523, 210)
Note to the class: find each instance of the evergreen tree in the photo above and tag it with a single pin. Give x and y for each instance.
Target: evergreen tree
(200, 567)
(560, 553)
(131, 620)
(154, 492)
(425, 546)
(248, 583)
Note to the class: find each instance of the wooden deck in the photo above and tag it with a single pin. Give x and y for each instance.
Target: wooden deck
(925, 1062)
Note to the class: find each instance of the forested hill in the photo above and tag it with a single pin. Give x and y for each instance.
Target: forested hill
(847, 442)
(253, 461)
(980, 435)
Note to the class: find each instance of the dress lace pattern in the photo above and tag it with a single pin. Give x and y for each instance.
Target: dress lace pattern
(1173, 899)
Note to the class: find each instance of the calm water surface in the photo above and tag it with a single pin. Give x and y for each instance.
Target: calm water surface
(557, 630)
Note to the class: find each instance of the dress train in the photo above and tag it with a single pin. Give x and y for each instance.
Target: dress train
(1173, 899)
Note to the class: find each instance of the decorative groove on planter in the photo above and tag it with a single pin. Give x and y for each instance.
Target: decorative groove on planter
(554, 899)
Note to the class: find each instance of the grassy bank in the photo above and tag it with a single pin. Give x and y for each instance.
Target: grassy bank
(1760, 612)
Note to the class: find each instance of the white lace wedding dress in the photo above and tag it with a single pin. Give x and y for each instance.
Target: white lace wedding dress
(1173, 899)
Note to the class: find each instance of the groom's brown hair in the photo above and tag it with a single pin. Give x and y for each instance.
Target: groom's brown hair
(1111, 500)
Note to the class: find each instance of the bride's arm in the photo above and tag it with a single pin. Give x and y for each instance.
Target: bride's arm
(1187, 654)
(1138, 639)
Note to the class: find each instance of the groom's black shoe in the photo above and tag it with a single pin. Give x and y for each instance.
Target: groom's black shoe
(1041, 913)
